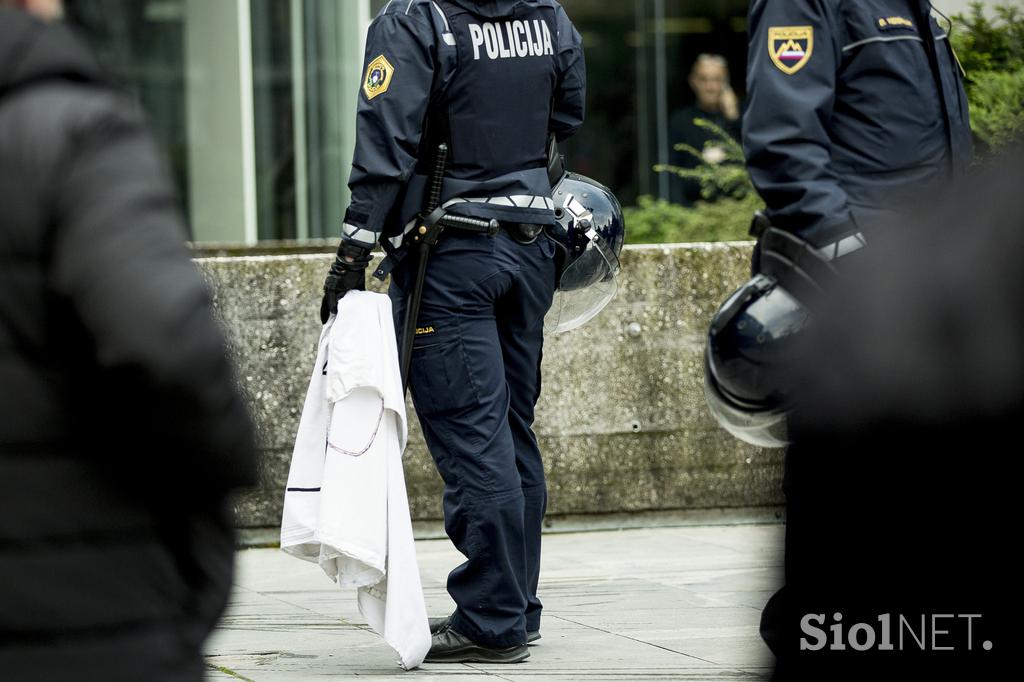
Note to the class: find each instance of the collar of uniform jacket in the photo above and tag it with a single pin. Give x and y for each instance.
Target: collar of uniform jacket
(492, 9)
(32, 50)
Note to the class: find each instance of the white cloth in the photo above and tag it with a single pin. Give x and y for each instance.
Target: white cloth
(345, 506)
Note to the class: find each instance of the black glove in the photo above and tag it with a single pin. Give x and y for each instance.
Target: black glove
(347, 273)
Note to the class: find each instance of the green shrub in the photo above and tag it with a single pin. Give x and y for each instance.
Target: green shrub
(724, 213)
(997, 107)
(986, 45)
(658, 221)
(992, 55)
(728, 178)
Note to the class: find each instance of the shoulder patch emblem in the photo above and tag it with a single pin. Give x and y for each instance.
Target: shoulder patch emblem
(378, 77)
(790, 47)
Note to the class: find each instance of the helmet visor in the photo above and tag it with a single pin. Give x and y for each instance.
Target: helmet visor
(765, 428)
(573, 309)
(586, 286)
(597, 263)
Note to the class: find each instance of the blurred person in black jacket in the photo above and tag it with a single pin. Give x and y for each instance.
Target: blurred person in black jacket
(902, 477)
(121, 426)
(715, 102)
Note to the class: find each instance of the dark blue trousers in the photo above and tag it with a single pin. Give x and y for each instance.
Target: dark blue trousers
(475, 379)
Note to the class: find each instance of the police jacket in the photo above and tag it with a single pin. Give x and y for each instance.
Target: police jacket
(121, 429)
(852, 106)
(492, 79)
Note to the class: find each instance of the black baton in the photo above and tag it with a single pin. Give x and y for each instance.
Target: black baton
(434, 220)
(421, 248)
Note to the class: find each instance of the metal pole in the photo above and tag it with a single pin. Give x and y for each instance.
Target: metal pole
(661, 88)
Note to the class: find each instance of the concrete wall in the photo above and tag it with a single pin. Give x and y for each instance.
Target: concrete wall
(621, 420)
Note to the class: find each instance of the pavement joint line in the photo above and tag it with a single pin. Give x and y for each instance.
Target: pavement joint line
(687, 530)
(357, 626)
(661, 586)
(638, 641)
(765, 674)
(228, 671)
(488, 673)
(703, 570)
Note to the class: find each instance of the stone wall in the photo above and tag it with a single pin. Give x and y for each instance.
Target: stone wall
(621, 420)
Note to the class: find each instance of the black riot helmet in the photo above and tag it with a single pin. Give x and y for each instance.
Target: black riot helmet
(753, 338)
(746, 359)
(590, 233)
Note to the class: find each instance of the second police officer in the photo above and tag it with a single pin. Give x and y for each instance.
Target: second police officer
(854, 110)
(492, 80)
(855, 107)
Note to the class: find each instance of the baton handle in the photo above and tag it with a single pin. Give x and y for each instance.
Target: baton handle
(470, 224)
(437, 177)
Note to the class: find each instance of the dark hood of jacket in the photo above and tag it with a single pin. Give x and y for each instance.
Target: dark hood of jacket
(495, 9)
(32, 50)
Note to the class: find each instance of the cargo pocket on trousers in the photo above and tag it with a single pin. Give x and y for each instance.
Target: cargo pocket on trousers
(439, 376)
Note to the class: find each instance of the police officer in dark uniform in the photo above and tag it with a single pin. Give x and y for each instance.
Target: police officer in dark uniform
(492, 80)
(854, 108)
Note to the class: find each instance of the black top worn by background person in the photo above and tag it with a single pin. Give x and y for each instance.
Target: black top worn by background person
(849, 112)
(683, 130)
(121, 428)
(903, 479)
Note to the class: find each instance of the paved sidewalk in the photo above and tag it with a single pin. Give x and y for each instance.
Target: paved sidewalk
(666, 604)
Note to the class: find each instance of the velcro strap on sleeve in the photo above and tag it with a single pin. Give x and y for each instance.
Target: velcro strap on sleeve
(796, 265)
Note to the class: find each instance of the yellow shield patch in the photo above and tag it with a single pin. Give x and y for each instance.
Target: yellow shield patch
(378, 77)
(790, 47)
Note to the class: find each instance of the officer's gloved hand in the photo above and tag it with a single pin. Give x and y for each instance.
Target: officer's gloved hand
(347, 273)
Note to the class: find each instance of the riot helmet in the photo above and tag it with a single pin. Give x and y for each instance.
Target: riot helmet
(746, 360)
(590, 233)
(753, 339)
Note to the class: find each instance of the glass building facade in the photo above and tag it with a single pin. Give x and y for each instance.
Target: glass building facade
(254, 100)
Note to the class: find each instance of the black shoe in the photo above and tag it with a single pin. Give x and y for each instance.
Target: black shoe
(448, 646)
(437, 623)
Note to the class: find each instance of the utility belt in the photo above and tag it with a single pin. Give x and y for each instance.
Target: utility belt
(521, 233)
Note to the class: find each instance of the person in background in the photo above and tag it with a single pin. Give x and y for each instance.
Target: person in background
(716, 103)
(122, 429)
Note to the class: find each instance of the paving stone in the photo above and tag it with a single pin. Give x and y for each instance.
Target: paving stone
(659, 604)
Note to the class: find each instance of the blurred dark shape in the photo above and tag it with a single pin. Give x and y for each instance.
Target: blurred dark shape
(121, 426)
(902, 480)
